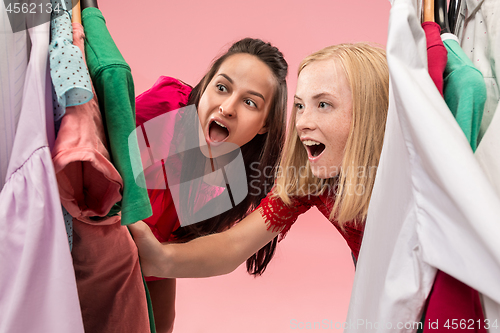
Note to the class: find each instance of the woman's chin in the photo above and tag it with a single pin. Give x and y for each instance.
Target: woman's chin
(322, 172)
(217, 149)
(320, 176)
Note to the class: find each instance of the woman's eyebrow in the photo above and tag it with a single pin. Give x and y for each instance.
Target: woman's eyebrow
(227, 77)
(251, 92)
(323, 94)
(257, 94)
(318, 96)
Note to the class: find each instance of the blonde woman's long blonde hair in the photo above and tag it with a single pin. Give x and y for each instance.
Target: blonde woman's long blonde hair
(365, 67)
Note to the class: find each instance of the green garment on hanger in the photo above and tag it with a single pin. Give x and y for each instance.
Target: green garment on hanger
(464, 91)
(114, 87)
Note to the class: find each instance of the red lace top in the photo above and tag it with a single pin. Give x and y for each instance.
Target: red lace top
(280, 216)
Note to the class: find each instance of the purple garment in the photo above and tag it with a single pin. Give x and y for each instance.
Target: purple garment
(37, 283)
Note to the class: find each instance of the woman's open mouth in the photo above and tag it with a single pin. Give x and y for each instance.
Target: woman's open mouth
(314, 148)
(217, 131)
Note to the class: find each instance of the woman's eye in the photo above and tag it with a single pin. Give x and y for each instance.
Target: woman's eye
(323, 105)
(299, 106)
(251, 103)
(221, 87)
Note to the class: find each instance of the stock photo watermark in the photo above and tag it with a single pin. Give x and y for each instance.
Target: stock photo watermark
(206, 180)
(364, 325)
(352, 174)
(357, 325)
(26, 14)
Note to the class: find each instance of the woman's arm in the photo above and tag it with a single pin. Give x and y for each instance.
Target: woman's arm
(211, 255)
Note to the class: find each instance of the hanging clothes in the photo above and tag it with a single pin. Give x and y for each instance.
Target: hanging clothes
(70, 78)
(436, 53)
(436, 63)
(465, 90)
(465, 95)
(105, 258)
(432, 207)
(13, 64)
(89, 184)
(114, 86)
(109, 280)
(65, 63)
(481, 42)
(68, 223)
(37, 283)
(451, 300)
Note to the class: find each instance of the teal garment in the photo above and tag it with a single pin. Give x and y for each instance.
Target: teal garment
(69, 74)
(464, 91)
(114, 87)
(68, 222)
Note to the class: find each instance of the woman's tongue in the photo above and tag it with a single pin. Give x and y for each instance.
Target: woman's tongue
(217, 133)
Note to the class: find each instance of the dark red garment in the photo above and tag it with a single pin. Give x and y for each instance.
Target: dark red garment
(437, 55)
(109, 278)
(450, 302)
(280, 216)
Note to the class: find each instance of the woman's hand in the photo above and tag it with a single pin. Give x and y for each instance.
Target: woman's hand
(210, 255)
(152, 254)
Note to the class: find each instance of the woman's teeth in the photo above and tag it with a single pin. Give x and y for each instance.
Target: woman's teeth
(217, 131)
(220, 124)
(311, 142)
(315, 148)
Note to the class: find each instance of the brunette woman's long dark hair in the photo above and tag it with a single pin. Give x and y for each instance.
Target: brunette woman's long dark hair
(260, 155)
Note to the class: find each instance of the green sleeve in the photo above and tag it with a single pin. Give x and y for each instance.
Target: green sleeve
(114, 87)
(464, 91)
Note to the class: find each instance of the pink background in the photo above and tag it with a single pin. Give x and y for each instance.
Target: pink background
(310, 278)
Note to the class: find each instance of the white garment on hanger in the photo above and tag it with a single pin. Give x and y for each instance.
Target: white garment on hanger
(37, 281)
(432, 205)
(481, 42)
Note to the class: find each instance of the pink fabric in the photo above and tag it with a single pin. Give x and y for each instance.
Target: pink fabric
(437, 55)
(37, 282)
(167, 94)
(105, 258)
(89, 184)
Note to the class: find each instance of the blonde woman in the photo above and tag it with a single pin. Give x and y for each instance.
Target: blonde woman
(329, 161)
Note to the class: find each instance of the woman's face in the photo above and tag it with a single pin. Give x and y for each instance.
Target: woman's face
(323, 103)
(235, 105)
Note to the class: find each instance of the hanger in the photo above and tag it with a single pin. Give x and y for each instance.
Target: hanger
(440, 15)
(88, 3)
(456, 15)
(428, 10)
(76, 15)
